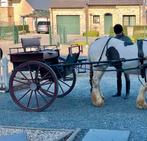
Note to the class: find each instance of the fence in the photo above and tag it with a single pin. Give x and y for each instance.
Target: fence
(4, 76)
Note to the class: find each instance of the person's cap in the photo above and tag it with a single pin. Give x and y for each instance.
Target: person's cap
(118, 29)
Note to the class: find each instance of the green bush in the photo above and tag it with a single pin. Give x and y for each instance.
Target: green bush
(139, 32)
(138, 36)
(91, 34)
(80, 43)
(20, 28)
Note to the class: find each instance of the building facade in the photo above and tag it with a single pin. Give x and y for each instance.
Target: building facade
(80, 16)
(6, 12)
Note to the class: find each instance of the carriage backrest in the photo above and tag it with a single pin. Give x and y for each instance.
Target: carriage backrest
(72, 58)
(30, 43)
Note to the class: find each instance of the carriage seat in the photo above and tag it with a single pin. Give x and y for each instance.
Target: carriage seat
(30, 43)
(33, 44)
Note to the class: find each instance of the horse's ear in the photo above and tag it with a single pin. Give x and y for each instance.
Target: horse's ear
(1, 53)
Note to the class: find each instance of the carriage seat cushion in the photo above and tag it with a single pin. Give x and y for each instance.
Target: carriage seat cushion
(30, 42)
(49, 54)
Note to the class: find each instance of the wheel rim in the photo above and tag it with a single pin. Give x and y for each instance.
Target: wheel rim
(66, 84)
(34, 89)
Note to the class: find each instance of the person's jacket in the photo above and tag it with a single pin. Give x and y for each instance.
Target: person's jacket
(126, 39)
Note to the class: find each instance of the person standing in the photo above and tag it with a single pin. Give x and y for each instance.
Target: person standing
(118, 30)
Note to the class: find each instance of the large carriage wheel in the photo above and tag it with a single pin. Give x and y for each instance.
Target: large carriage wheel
(30, 88)
(66, 83)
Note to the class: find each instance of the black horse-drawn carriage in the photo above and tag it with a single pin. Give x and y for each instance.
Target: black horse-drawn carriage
(40, 74)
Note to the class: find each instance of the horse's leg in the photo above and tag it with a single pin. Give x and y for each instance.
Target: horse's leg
(96, 94)
(140, 102)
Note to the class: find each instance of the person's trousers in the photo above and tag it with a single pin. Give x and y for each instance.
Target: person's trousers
(119, 83)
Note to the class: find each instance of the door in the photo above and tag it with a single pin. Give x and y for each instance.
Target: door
(107, 23)
(69, 23)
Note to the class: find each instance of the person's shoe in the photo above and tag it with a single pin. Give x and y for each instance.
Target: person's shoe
(116, 95)
(126, 96)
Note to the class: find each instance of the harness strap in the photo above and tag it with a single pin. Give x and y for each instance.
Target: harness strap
(105, 46)
(141, 55)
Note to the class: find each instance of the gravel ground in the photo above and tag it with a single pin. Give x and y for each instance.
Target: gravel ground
(35, 134)
(76, 111)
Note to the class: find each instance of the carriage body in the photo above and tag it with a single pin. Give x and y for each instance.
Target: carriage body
(40, 73)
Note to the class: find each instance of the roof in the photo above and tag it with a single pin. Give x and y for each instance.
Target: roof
(39, 4)
(115, 2)
(82, 3)
(38, 14)
(67, 4)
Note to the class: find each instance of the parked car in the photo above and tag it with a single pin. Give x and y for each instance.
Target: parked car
(43, 26)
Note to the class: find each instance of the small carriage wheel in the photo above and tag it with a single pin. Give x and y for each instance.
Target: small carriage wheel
(66, 83)
(30, 86)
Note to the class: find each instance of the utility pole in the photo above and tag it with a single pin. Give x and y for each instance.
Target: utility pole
(86, 20)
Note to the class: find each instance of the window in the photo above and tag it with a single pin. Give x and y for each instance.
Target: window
(129, 20)
(96, 19)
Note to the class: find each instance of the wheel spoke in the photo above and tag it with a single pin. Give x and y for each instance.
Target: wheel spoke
(64, 83)
(31, 73)
(49, 86)
(24, 95)
(46, 92)
(44, 76)
(43, 97)
(24, 76)
(21, 82)
(37, 71)
(61, 88)
(29, 99)
(37, 102)
(45, 83)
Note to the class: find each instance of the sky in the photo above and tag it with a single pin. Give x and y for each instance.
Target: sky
(39, 4)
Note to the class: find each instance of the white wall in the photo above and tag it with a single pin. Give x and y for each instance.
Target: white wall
(4, 3)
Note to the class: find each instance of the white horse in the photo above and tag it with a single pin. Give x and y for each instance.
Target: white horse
(97, 52)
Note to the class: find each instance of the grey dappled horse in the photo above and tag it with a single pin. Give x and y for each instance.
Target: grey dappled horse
(97, 52)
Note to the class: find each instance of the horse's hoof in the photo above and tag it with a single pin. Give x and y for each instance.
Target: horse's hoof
(98, 102)
(140, 106)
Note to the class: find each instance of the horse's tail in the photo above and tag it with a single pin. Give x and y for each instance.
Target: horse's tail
(91, 75)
